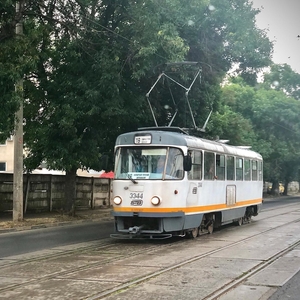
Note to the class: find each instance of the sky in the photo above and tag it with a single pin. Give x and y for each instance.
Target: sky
(281, 19)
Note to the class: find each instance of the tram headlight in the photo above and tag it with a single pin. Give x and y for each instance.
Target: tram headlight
(155, 200)
(117, 200)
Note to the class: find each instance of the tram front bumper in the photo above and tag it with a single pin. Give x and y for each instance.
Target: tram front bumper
(139, 223)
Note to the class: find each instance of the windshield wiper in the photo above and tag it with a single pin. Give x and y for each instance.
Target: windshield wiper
(130, 177)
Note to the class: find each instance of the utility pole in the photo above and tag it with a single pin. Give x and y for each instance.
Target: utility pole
(18, 136)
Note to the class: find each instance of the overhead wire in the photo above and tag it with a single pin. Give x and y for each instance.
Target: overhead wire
(118, 34)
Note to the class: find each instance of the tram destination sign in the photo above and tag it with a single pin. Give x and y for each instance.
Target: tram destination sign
(142, 139)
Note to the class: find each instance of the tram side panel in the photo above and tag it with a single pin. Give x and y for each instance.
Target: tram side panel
(230, 198)
(183, 203)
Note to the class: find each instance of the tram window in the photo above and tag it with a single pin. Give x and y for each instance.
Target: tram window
(254, 170)
(220, 167)
(230, 167)
(247, 169)
(196, 171)
(175, 164)
(239, 169)
(260, 172)
(209, 165)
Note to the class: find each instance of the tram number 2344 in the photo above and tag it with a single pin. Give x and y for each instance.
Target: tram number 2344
(136, 199)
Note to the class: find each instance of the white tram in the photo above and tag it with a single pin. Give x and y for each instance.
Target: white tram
(169, 183)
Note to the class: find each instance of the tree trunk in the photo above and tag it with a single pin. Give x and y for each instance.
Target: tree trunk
(275, 188)
(285, 192)
(70, 191)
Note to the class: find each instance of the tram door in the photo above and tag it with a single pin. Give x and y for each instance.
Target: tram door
(194, 177)
(230, 195)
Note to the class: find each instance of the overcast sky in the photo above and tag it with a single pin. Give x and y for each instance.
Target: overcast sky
(282, 19)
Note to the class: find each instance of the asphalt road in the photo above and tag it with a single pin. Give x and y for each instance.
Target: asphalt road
(289, 291)
(22, 242)
(280, 201)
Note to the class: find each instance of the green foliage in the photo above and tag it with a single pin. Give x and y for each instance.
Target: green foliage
(277, 119)
(17, 58)
(275, 122)
(235, 40)
(88, 64)
(232, 126)
(283, 78)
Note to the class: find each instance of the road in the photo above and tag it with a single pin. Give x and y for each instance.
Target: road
(22, 242)
(39, 239)
(280, 201)
(247, 262)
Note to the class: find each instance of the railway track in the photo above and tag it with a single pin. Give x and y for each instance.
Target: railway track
(153, 261)
(223, 289)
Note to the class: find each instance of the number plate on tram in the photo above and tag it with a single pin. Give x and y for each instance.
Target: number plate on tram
(136, 199)
(136, 203)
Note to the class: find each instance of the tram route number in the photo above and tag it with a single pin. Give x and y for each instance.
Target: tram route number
(136, 199)
(135, 196)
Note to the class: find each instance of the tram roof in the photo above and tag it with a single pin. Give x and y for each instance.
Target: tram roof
(180, 138)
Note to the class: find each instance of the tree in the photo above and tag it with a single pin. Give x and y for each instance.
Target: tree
(90, 63)
(241, 45)
(219, 35)
(274, 119)
(283, 78)
(13, 63)
(82, 100)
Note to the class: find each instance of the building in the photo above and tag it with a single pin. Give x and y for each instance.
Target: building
(7, 162)
(7, 155)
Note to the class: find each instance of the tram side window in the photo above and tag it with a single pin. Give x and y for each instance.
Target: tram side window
(196, 171)
(254, 170)
(239, 169)
(230, 167)
(175, 164)
(260, 171)
(247, 169)
(220, 167)
(209, 165)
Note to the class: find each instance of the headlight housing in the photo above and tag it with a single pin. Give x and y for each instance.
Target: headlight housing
(117, 200)
(155, 200)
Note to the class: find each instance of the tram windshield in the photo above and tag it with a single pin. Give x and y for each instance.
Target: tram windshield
(148, 163)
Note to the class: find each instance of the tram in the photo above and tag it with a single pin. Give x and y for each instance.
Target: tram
(169, 183)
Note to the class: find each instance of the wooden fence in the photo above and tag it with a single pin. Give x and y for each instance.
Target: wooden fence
(43, 192)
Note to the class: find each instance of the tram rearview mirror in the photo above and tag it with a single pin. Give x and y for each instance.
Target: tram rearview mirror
(187, 163)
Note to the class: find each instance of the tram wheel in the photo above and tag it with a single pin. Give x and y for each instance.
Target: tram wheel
(194, 233)
(239, 222)
(247, 220)
(210, 228)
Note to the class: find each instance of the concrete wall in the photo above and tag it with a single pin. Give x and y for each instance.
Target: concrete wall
(46, 192)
